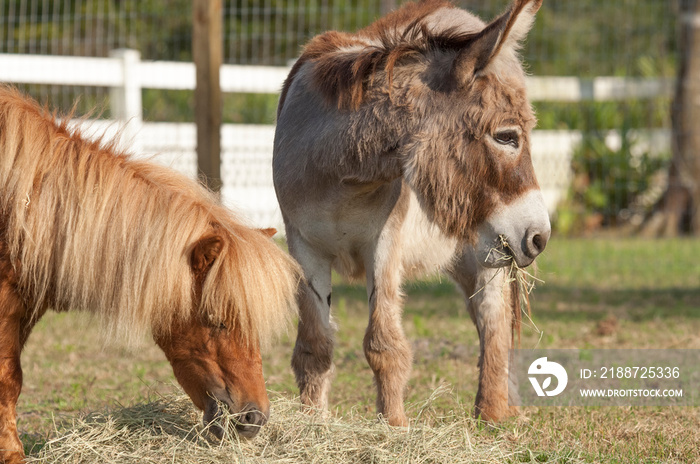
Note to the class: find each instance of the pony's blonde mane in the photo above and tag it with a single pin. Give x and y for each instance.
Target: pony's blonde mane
(91, 228)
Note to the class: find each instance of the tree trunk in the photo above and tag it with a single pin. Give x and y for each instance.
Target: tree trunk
(677, 211)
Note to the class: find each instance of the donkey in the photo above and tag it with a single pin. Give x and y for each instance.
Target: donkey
(401, 149)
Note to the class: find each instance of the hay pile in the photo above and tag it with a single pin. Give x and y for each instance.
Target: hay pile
(168, 430)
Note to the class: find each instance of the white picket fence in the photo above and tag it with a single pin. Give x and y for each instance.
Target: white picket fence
(247, 150)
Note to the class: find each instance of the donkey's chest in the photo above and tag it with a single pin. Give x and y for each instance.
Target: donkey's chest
(424, 248)
(358, 225)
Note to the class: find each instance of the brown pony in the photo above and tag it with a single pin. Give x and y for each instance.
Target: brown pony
(401, 149)
(85, 227)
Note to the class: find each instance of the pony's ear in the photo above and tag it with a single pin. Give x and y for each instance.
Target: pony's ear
(506, 31)
(270, 231)
(204, 252)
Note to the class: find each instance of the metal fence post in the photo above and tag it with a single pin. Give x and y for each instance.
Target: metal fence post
(125, 101)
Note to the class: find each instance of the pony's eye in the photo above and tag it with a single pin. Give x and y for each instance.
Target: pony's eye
(217, 326)
(508, 137)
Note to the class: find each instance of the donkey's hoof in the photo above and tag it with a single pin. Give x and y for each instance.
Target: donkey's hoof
(513, 411)
(491, 413)
(394, 420)
(399, 422)
(315, 410)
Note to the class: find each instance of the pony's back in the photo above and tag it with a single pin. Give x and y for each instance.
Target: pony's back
(93, 229)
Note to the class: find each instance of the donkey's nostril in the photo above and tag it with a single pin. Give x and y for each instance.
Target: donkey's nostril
(535, 244)
(539, 242)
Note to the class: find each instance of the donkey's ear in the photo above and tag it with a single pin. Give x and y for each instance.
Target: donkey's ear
(204, 252)
(270, 231)
(520, 19)
(506, 31)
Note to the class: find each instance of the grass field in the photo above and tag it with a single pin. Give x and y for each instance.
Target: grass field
(597, 293)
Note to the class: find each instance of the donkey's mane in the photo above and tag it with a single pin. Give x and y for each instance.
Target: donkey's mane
(344, 64)
(91, 228)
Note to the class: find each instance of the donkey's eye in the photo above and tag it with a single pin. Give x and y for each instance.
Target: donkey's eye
(508, 137)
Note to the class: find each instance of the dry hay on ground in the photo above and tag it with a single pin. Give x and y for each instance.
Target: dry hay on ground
(167, 431)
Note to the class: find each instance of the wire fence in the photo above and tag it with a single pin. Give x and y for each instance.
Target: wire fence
(584, 38)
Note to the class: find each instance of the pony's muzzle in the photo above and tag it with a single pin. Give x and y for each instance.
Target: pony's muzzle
(250, 421)
(247, 422)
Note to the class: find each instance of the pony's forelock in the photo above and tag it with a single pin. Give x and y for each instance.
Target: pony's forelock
(250, 272)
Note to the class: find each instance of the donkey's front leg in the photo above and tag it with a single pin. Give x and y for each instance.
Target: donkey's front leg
(312, 360)
(493, 314)
(490, 306)
(386, 348)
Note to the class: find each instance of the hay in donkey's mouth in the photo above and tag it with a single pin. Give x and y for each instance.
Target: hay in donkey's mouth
(521, 281)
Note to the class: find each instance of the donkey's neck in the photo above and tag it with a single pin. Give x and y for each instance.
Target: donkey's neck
(361, 145)
(375, 139)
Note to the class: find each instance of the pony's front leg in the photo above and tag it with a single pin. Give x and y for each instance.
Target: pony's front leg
(312, 360)
(386, 348)
(11, 449)
(490, 306)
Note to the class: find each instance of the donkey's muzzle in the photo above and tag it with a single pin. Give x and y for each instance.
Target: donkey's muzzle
(516, 232)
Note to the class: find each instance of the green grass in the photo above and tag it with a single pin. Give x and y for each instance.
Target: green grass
(629, 264)
(649, 289)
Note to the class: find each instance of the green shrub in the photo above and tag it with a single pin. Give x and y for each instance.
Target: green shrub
(607, 183)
